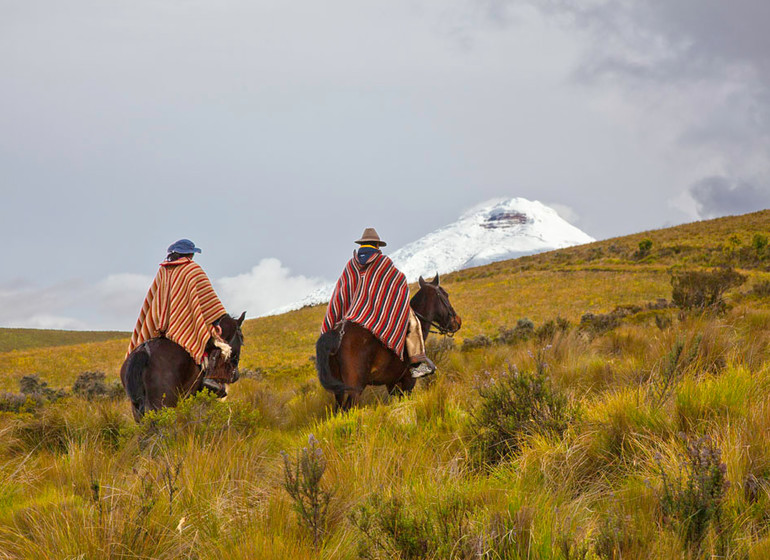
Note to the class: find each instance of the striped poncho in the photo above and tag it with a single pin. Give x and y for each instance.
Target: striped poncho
(181, 306)
(376, 296)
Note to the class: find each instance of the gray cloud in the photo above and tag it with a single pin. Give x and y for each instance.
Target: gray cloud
(263, 129)
(720, 196)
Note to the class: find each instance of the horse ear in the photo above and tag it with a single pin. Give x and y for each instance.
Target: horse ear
(241, 318)
(422, 282)
(435, 280)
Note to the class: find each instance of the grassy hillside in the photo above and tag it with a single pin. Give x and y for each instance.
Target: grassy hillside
(634, 434)
(22, 339)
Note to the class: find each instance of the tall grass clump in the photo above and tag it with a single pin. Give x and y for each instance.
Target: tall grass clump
(692, 497)
(513, 406)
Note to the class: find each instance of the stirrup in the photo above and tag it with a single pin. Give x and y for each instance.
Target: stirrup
(215, 387)
(422, 369)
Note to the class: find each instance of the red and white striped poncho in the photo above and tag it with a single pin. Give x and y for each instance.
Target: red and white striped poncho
(376, 296)
(181, 305)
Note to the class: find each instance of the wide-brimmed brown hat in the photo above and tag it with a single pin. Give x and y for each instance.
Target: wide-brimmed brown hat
(370, 237)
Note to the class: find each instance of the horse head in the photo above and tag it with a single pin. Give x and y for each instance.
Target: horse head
(225, 361)
(431, 305)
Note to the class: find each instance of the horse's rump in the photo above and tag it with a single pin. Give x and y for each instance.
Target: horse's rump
(328, 345)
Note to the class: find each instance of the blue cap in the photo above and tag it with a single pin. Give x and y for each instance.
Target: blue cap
(183, 247)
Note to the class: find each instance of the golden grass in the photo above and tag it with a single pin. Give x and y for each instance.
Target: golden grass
(78, 480)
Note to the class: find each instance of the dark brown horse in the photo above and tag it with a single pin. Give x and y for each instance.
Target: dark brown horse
(160, 373)
(349, 357)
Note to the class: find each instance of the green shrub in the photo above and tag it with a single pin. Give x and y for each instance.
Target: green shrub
(514, 406)
(13, 402)
(479, 341)
(759, 244)
(302, 481)
(546, 332)
(645, 245)
(394, 527)
(702, 289)
(524, 330)
(91, 385)
(201, 414)
(438, 350)
(761, 288)
(33, 386)
(693, 496)
(599, 323)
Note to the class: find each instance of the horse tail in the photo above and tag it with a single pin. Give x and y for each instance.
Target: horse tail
(137, 363)
(327, 344)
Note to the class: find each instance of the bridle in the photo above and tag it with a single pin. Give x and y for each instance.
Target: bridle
(439, 329)
(434, 325)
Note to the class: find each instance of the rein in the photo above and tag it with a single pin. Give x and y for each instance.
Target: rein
(434, 325)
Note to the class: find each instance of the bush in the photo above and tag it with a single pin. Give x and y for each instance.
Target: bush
(438, 349)
(302, 480)
(702, 289)
(201, 414)
(480, 341)
(599, 323)
(761, 289)
(399, 528)
(90, 385)
(546, 332)
(514, 406)
(32, 385)
(692, 497)
(759, 244)
(524, 330)
(13, 402)
(644, 249)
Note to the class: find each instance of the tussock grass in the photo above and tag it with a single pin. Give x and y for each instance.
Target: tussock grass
(79, 479)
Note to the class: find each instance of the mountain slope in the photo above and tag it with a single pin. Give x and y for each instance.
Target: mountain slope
(494, 231)
(489, 233)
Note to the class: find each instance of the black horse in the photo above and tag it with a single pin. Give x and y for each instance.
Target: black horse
(160, 373)
(350, 358)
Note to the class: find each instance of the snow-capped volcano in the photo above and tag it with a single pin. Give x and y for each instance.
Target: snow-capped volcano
(494, 231)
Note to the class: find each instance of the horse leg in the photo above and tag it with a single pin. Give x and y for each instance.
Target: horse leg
(407, 383)
(351, 399)
(340, 402)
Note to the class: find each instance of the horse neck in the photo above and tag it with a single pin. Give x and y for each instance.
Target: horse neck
(425, 319)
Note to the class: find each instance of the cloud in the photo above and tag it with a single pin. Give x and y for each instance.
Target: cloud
(114, 302)
(266, 287)
(690, 76)
(721, 196)
(119, 297)
(24, 304)
(43, 321)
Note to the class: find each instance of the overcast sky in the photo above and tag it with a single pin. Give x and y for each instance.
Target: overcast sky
(272, 132)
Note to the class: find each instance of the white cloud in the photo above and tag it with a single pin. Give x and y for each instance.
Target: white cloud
(120, 297)
(43, 321)
(266, 287)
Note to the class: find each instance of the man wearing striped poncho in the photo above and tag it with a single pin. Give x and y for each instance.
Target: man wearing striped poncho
(374, 293)
(182, 306)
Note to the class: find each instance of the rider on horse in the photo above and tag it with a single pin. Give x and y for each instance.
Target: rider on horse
(182, 306)
(374, 293)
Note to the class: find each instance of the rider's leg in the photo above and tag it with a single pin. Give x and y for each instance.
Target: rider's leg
(419, 363)
(216, 386)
